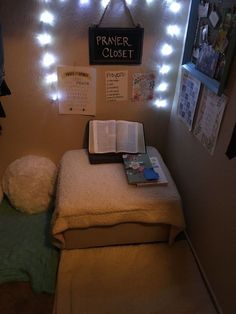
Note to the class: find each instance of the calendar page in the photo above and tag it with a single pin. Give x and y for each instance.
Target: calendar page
(77, 90)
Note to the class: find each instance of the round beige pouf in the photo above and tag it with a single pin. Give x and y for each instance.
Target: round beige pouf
(29, 183)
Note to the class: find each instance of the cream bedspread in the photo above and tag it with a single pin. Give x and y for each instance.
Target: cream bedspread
(99, 195)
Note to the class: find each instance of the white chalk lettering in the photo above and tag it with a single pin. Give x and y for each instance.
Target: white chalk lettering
(113, 41)
(98, 39)
(111, 53)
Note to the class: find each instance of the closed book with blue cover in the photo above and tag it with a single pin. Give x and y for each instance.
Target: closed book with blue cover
(139, 169)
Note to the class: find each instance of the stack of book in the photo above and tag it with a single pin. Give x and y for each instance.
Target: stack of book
(143, 170)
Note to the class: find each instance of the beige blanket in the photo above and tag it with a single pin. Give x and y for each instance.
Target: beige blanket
(99, 195)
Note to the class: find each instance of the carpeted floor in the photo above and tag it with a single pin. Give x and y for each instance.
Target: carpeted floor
(18, 298)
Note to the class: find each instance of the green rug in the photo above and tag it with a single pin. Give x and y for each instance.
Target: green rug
(26, 252)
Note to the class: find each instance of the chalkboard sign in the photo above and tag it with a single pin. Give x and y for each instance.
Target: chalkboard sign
(115, 45)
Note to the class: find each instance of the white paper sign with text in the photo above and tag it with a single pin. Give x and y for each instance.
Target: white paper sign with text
(77, 90)
(116, 85)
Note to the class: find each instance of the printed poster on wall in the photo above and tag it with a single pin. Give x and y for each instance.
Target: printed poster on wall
(209, 118)
(189, 92)
(143, 86)
(116, 85)
(77, 90)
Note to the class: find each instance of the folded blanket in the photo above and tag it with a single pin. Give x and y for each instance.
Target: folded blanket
(99, 195)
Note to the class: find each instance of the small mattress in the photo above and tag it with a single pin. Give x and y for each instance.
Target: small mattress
(96, 206)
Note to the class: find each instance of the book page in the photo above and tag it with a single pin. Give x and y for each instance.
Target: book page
(130, 137)
(102, 136)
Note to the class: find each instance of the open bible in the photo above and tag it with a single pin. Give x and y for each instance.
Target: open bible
(113, 137)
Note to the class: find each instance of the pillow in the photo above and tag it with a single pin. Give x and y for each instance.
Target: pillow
(29, 183)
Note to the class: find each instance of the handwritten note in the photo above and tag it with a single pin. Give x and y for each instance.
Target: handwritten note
(116, 85)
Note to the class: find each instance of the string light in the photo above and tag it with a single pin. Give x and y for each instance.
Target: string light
(161, 103)
(173, 30)
(175, 7)
(162, 87)
(49, 59)
(51, 78)
(164, 69)
(83, 2)
(55, 96)
(104, 3)
(44, 39)
(166, 50)
(47, 18)
(129, 2)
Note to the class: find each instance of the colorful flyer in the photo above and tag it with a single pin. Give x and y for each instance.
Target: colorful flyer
(143, 86)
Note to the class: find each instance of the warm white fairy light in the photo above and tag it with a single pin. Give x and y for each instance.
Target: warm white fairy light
(48, 60)
(128, 2)
(164, 69)
(104, 3)
(161, 103)
(55, 96)
(173, 30)
(175, 7)
(51, 78)
(44, 39)
(83, 2)
(47, 17)
(166, 50)
(162, 87)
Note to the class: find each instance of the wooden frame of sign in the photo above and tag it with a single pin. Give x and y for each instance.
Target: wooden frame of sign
(115, 45)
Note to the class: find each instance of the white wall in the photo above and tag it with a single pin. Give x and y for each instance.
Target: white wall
(208, 188)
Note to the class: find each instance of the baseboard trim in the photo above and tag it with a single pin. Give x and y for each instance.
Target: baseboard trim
(203, 274)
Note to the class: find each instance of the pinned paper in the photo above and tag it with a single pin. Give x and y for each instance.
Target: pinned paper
(214, 18)
(143, 86)
(203, 9)
(209, 119)
(77, 90)
(116, 85)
